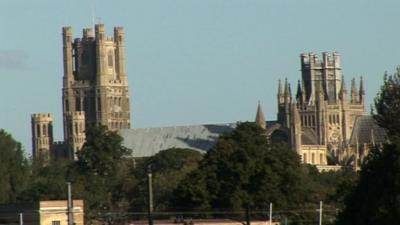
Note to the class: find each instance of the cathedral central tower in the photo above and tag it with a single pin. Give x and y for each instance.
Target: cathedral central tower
(95, 85)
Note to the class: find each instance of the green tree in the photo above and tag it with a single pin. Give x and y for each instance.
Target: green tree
(13, 168)
(387, 104)
(168, 167)
(376, 197)
(241, 169)
(100, 174)
(47, 181)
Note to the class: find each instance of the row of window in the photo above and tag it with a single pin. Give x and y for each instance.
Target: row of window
(42, 142)
(83, 104)
(334, 118)
(313, 158)
(308, 120)
(78, 128)
(118, 125)
(43, 130)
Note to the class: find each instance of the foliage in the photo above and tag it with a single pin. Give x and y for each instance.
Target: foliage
(168, 168)
(387, 104)
(241, 169)
(13, 168)
(47, 181)
(376, 197)
(99, 173)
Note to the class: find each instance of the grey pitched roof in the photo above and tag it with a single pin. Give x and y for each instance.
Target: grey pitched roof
(366, 130)
(146, 142)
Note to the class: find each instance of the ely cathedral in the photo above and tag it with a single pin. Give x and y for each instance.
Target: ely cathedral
(325, 122)
(95, 91)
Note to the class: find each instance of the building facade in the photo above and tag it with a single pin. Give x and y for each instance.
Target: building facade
(320, 119)
(95, 86)
(326, 124)
(42, 134)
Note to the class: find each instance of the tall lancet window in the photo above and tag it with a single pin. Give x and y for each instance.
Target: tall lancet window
(110, 59)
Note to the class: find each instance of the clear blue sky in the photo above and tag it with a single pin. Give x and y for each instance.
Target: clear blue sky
(191, 61)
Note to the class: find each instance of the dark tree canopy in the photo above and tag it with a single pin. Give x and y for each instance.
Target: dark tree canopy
(387, 104)
(100, 174)
(13, 168)
(168, 167)
(241, 169)
(376, 197)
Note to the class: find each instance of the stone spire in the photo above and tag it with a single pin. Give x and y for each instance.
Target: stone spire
(288, 92)
(280, 93)
(343, 89)
(354, 94)
(299, 94)
(361, 91)
(260, 119)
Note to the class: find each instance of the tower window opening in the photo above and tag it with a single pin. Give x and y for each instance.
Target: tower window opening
(76, 128)
(44, 130)
(110, 59)
(38, 133)
(78, 104)
(66, 105)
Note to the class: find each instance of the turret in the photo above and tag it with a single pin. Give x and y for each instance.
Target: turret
(280, 94)
(343, 91)
(260, 119)
(288, 93)
(76, 132)
(362, 91)
(295, 129)
(119, 39)
(354, 92)
(100, 52)
(87, 33)
(67, 55)
(42, 134)
(300, 95)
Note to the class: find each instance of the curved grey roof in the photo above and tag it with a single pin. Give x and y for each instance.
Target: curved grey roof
(146, 142)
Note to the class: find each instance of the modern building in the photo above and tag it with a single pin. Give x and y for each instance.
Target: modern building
(95, 89)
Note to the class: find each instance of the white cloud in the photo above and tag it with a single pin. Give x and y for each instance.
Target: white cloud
(13, 59)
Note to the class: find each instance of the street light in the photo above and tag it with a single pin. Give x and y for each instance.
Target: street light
(70, 206)
(150, 195)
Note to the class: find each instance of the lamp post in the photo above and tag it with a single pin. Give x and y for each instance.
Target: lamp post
(70, 206)
(150, 195)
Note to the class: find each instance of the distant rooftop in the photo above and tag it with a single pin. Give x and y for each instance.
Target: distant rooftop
(146, 142)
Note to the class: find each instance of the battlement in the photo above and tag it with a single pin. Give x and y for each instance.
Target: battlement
(87, 33)
(77, 115)
(80, 83)
(98, 34)
(59, 143)
(328, 60)
(115, 81)
(41, 116)
(67, 31)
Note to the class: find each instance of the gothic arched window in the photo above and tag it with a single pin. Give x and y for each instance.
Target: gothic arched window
(110, 59)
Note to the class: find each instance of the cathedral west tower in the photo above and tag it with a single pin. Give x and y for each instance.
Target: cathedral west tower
(95, 86)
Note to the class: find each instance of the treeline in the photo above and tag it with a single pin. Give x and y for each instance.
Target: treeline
(241, 171)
